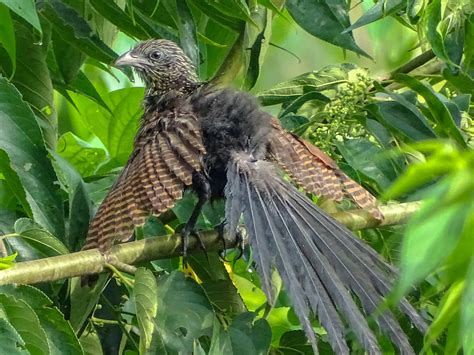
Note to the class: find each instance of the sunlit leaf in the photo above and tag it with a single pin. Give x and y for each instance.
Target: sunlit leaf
(430, 237)
(448, 309)
(146, 304)
(85, 157)
(7, 261)
(26, 9)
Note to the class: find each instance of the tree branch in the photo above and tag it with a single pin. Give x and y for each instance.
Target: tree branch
(163, 247)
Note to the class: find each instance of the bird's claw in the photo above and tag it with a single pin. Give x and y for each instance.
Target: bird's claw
(185, 234)
(240, 245)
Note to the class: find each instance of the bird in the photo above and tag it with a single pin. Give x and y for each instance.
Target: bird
(218, 142)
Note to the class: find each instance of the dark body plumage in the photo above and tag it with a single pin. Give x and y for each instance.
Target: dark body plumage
(223, 145)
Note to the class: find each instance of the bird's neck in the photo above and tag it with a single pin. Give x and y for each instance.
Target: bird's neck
(182, 85)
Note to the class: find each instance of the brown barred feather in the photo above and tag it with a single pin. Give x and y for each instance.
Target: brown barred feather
(175, 163)
(316, 172)
(153, 179)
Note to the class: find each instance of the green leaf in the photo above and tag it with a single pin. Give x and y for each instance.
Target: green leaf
(269, 4)
(380, 10)
(7, 36)
(294, 342)
(11, 342)
(154, 28)
(91, 343)
(415, 9)
(279, 319)
(300, 101)
(252, 295)
(439, 110)
(25, 9)
(324, 79)
(83, 300)
(23, 318)
(258, 40)
(21, 140)
(467, 312)
(84, 157)
(146, 304)
(433, 34)
(8, 261)
(184, 312)
(447, 310)
(61, 337)
(32, 79)
(188, 32)
(430, 237)
(69, 59)
(84, 86)
(80, 207)
(232, 8)
(184, 21)
(462, 82)
(404, 119)
(73, 29)
(326, 20)
(115, 128)
(368, 159)
(250, 336)
(228, 21)
(224, 297)
(220, 340)
(119, 18)
(39, 238)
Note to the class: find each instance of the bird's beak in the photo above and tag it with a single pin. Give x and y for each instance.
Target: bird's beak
(127, 59)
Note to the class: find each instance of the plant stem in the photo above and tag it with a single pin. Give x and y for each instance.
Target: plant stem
(163, 247)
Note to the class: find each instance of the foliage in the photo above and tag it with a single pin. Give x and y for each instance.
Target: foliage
(64, 135)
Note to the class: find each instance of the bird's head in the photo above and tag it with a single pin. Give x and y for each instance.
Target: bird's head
(162, 65)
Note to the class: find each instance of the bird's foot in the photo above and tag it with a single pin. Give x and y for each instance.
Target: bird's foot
(185, 234)
(239, 240)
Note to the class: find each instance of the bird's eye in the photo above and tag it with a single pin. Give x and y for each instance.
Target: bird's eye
(156, 55)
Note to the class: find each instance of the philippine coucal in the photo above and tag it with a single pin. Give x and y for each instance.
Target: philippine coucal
(222, 145)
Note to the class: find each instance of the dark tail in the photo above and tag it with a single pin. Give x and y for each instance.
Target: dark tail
(319, 260)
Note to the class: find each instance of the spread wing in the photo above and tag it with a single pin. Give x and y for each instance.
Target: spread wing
(167, 150)
(314, 171)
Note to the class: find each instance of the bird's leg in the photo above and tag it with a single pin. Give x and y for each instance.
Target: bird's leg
(203, 189)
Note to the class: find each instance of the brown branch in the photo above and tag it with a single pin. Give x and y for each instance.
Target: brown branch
(163, 247)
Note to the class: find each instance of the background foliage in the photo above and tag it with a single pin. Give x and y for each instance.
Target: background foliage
(67, 122)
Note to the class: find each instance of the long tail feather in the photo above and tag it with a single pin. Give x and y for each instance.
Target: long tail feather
(319, 260)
